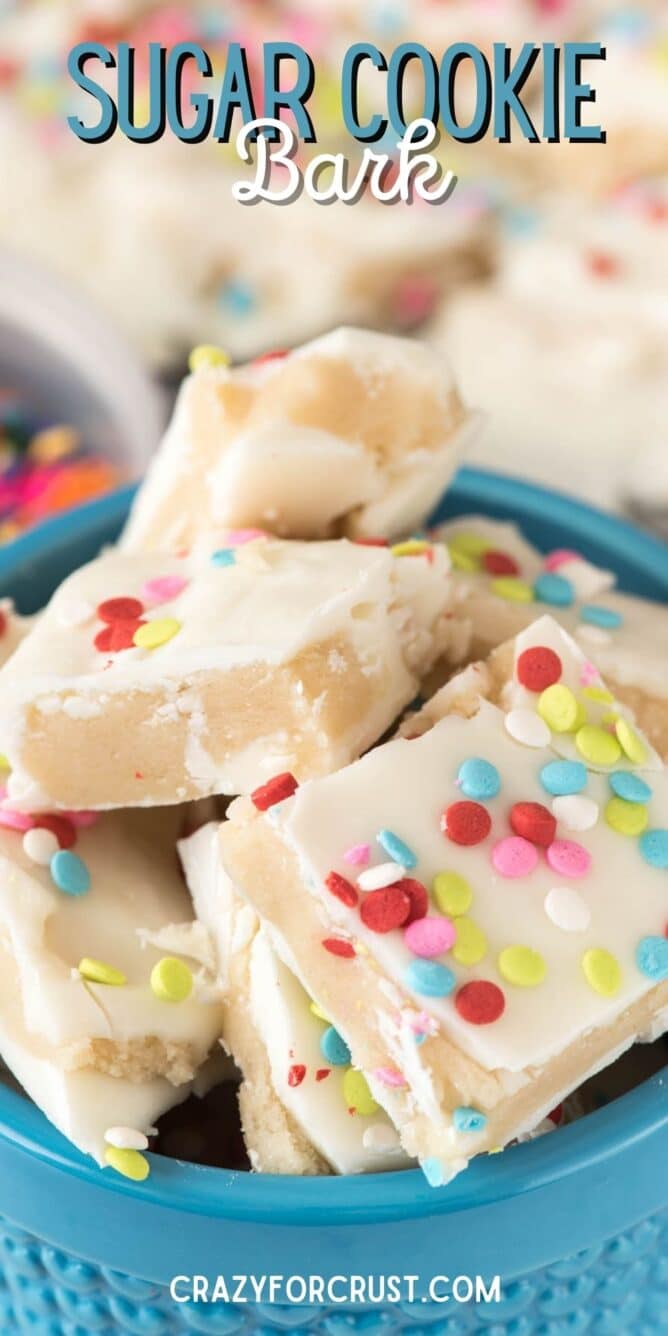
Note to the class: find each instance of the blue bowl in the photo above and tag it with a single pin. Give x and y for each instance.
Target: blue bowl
(575, 1224)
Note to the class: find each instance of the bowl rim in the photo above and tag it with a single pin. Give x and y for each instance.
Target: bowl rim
(231, 1194)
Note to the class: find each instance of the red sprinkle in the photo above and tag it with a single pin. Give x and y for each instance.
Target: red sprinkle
(385, 909)
(418, 896)
(59, 826)
(322, 1073)
(556, 1115)
(466, 823)
(603, 265)
(274, 356)
(120, 610)
(296, 1074)
(3, 622)
(341, 888)
(533, 822)
(500, 563)
(274, 791)
(372, 542)
(117, 636)
(480, 1002)
(538, 668)
(338, 946)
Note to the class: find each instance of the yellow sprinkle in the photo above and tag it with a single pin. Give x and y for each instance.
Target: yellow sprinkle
(597, 746)
(626, 818)
(207, 355)
(469, 544)
(599, 694)
(318, 1011)
(631, 744)
(54, 443)
(558, 707)
(602, 971)
(156, 633)
(4, 763)
(130, 1163)
(471, 943)
(522, 966)
(512, 589)
(171, 980)
(412, 547)
(452, 893)
(97, 972)
(461, 561)
(356, 1093)
(610, 717)
(495, 1150)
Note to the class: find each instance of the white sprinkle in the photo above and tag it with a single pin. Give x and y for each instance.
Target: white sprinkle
(528, 728)
(593, 635)
(40, 845)
(384, 874)
(575, 811)
(380, 1137)
(567, 909)
(588, 581)
(126, 1138)
(75, 612)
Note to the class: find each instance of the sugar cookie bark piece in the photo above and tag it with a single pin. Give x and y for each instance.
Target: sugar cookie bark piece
(502, 583)
(85, 1025)
(295, 1099)
(355, 433)
(483, 954)
(183, 677)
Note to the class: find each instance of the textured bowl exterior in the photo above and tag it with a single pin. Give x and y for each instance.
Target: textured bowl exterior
(576, 1224)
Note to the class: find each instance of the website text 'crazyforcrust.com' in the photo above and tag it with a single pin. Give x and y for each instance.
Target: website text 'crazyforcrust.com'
(357, 1289)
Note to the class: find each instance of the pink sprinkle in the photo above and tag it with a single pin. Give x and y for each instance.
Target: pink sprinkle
(430, 936)
(15, 820)
(559, 558)
(425, 1024)
(568, 858)
(357, 855)
(514, 856)
(588, 674)
(389, 1076)
(162, 589)
(237, 537)
(82, 820)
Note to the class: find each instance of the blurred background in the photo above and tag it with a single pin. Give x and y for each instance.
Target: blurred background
(544, 278)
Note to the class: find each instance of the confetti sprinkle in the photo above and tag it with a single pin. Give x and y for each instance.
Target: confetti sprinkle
(223, 557)
(357, 1095)
(385, 909)
(625, 784)
(576, 811)
(296, 1074)
(383, 874)
(396, 849)
(568, 858)
(40, 846)
(602, 971)
(341, 888)
(358, 855)
(559, 708)
(339, 946)
(334, 1048)
(466, 823)
(480, 1002)
(452, 893)
(533, 822)
(526, 727)
(390, 1077)
(171, 980)
(116, 637)
(652, 958)
(120, 610)
(412, 547)
(604, 618)
(466, 1119)
(567, 910)
(156, 633)
(60, 826)
(276, 790)
(554, 590)
(499, 563)
(538, 668)
(430, 936)
(630, 743)
(207, 355)
(163, 588)
(512, 590)
(478, 779)
(471, 944)
(653, 846)
(626, 818)
(69, 873)
(514, 857)
(129, 1163)
(96, 971)
(429, 979)
(521, 966)
(597, 746)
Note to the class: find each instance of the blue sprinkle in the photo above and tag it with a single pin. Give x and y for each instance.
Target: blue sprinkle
(652, 958)
(478, 779)
(433, 1172)
(396, 849)
(238, 297)
(429, 979)
(420, 1038)
(554, 589)
(69, 873)
(629, 786)
(562, 777)
(334, 1049)
(224, 557)
(468, 1120)
(654, 847)
(598, 616)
